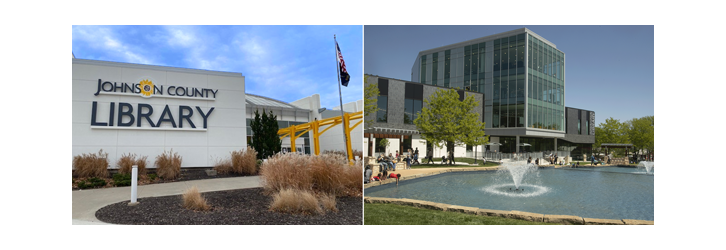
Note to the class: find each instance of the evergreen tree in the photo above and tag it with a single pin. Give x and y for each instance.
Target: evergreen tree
(265, 139)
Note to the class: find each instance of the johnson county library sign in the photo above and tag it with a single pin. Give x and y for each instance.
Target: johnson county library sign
(127, 115)
(126, 108)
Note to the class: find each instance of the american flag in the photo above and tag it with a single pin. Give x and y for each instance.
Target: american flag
(344, 76)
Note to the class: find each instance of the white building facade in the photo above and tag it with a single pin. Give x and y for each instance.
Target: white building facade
(124, 108)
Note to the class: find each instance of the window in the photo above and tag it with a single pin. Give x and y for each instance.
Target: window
(382, 115)
(412, 110)
(435, 69)
(423, 69)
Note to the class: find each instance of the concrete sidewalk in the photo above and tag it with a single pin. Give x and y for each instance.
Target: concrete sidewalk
(87, 202)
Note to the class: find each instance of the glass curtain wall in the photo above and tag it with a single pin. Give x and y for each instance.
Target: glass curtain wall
(461, 68)
(508, 82)
(546, 84)
(474, 57)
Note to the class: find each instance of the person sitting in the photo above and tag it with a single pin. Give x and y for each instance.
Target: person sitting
(443, 159)
(536, 162)
(391, 164)
(381, 165)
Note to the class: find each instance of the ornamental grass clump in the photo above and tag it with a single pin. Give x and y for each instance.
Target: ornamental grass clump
(350, 178)
(91, 165)
(325, 171)
(328, 202)
(193, 200)
(223, 166)
(244, 162)
(168, 165)
(295, 201)
(126, 162)
(344, 154)
(286, 171)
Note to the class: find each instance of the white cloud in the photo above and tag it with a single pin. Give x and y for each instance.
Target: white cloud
(180, 37)
(105, 39)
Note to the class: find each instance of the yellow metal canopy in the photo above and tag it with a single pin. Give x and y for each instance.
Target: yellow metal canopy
(295, 131)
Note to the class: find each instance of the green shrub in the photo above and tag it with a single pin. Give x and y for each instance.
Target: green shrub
(153, 176)
(91, 183)
(122, 180)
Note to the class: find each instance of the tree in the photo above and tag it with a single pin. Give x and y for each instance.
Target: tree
(384, 143)
(612, 131)
(264, 135)
(446, 120)
(370, 101)
(641, 132)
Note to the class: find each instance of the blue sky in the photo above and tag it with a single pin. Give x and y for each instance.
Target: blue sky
(286, 63)
(609, 69)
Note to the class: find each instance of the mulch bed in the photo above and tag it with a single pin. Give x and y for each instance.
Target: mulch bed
(231, 207)
(185, 175)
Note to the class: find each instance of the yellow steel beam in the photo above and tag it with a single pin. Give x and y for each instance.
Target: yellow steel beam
(314, 126)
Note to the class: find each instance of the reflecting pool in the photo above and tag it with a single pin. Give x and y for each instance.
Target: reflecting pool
(603, 193)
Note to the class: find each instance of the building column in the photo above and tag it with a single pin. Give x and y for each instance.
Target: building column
(400, 146)
(370, 144)
(517, 144)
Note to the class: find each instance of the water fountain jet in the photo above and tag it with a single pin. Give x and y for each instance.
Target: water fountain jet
(518, 170)
(647, 166)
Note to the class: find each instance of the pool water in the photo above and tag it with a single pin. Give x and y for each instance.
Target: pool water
(616, 193)
(633, 170)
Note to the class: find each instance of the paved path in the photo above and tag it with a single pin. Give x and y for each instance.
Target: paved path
(87, 202)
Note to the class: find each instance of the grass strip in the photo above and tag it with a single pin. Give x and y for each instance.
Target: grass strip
(391, 214)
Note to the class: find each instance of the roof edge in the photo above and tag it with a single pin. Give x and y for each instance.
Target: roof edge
(155, 67)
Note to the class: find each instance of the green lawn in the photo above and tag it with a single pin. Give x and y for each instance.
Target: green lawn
(391, 214)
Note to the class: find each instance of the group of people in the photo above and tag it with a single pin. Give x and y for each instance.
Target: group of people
(382, 176)
(389, 162)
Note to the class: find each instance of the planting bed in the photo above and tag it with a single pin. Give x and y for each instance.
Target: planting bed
(186, 175)
(231, 207)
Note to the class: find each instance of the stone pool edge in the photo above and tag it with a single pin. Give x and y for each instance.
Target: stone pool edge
(513, 214)
(549, 218)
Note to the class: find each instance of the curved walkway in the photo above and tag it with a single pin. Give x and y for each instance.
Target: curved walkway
(87, 202)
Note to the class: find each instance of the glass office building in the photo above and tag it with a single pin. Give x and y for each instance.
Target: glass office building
(521, 74)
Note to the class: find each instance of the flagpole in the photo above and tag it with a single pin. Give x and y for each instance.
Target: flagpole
(340, 95)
